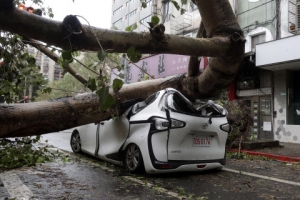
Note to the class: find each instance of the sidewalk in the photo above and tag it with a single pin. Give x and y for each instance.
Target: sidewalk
(287, 152)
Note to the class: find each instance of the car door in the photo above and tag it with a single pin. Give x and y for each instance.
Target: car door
(112, 135)
(200, 138)
(88, 137)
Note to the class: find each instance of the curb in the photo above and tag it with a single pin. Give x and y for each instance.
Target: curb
(272, 156)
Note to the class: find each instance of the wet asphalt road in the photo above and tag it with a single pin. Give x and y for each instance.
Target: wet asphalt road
(87, 178)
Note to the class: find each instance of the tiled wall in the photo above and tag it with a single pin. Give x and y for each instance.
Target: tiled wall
(282, 131)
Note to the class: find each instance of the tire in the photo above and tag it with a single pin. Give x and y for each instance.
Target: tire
(133, 160)
(75, 142)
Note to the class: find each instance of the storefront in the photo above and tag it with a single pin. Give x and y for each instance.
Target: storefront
(282, 58)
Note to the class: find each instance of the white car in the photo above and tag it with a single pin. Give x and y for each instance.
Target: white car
(164, 133)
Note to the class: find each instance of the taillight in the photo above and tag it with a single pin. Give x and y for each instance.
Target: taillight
(226, 128)
(176, 123)
(162, 124)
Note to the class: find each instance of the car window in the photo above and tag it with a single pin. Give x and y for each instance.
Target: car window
(141, 105)
(177, 103)
(211, 109)
(151, 98)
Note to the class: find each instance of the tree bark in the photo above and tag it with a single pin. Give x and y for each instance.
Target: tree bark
(224, 46)
(64, 113)
(53, 33)
(194, 62)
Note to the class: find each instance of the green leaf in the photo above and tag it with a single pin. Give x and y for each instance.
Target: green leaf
(119, 68)
(91, 84)
(128, 28)
(64, 64)
(175, 4)
(102, 95)
(182, 11)
(121, 75)
(132, 27)
(117, 84)
(155, 20)
(144, 5)
(109, 102)
(133, 55)
(67, 56)
(183, 1)
(75, 53)
(101, 55)
(105, 99)
(47, 90)
(31, 60)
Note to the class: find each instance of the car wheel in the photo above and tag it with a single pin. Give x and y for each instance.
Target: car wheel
(133, 159)
(75, 142)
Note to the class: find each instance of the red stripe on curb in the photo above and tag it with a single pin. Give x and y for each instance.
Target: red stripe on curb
(272, 156)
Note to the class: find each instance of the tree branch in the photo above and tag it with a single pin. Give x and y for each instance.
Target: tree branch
(39, 46)
(52, 32)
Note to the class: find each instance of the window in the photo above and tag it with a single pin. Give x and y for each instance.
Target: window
(145, 20)
(131, 14)
(57, 72)
(118, 10)
(128, 2)
(257, 39)
(117, 23)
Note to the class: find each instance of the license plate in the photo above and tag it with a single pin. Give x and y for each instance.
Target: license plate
(201, 142)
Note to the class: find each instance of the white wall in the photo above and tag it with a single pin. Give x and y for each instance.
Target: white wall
(257, 31)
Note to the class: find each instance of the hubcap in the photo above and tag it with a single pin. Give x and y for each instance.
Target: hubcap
(132, 157)
(76, 142)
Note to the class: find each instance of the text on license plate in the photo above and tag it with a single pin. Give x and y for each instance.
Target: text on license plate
(201, 142)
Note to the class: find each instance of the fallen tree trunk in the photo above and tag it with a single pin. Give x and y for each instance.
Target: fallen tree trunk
(36, 118)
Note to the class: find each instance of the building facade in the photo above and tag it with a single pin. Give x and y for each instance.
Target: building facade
(270, 77)
(50, 70)
(128, 12)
